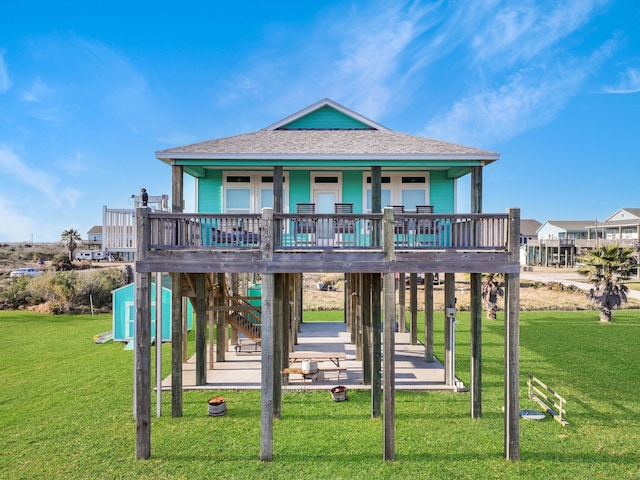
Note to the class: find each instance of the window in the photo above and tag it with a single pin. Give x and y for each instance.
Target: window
(250, 193)
(402, 188)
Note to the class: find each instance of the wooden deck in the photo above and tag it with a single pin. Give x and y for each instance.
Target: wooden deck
(272, 243)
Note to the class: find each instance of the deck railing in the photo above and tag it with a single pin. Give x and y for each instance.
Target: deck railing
(411, 231)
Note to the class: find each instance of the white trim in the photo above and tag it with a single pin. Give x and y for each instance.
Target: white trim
(337, 157)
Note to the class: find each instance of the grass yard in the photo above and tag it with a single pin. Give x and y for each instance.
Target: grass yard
(66, 412)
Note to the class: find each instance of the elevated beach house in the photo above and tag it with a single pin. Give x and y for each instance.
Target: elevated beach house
(324, 190)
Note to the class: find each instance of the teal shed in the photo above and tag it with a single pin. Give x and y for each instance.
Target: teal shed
(124, 313)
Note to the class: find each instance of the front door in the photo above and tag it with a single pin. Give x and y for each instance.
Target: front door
(326, 192)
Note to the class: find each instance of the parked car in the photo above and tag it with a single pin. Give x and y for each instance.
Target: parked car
(21, 272)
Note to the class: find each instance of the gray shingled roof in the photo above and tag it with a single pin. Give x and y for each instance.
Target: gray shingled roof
(571, 225)
(330, 143)
(529, 227)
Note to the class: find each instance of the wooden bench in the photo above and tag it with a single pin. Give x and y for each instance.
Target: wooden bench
(339, 370)
(247, 345)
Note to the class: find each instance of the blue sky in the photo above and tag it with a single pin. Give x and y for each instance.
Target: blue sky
(89, 91)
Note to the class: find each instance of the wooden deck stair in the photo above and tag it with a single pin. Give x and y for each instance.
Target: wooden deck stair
(245, 317)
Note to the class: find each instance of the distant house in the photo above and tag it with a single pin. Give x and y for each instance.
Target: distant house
(528, 230)
(528, 233)
(94, 236)
(555, 244)
(622, 227)
(564, 229)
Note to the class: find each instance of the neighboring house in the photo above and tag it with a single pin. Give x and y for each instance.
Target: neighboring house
(556, 244)
(622, 227)
(94, 236)
(528, 233)
(564, 229)
(307, 194)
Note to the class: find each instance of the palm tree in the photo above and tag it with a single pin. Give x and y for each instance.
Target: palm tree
(71, 238)
(607, 268)
(491, 290)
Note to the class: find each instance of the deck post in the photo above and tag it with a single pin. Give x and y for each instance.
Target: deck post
(143, 340)
(235, 292)
(413, 308)
(267, 372)
(357, 314)
(267, 375)
(402, 302)
(512, 345)
(177, 188)
(279, 354)
(476, 345)
(428, 317)
(376, 303)
(201, 327)
(365, 306)
(176, 345)
(222, 342)
(389, 286)
(376, 346)
(449, 339)
(159, 335)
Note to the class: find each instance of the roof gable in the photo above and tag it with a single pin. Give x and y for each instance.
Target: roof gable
(325, 115)
(624, 214)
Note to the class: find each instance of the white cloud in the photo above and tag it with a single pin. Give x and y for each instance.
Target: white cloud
(528, 99)
(373, 52)
(628, 82)
(5, 81)
(520, 31)
(40, 182)
(37, 91)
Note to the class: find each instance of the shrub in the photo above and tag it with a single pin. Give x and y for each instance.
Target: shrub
(16, 295)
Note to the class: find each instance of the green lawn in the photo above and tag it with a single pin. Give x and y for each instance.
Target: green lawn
(66, 412)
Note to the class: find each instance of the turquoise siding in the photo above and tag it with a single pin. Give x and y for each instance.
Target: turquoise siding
(210, 192)
(352, 189)
(442, 192)
(324, 118)
(299, 188)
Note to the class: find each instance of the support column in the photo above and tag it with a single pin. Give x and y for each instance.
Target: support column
(402, 303)
(177, 188)
(376, 346)
(267, 389)
(389, 340)
(279, 354)
(357, 311)
(142, 353)
(267, 356)
(365, 308)
(389, 366)
(512, 345)
(428, 317)
(449, 303)
(413, 308)
(176, 345)
(221, 318)
(476, 345)
(201, 327)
